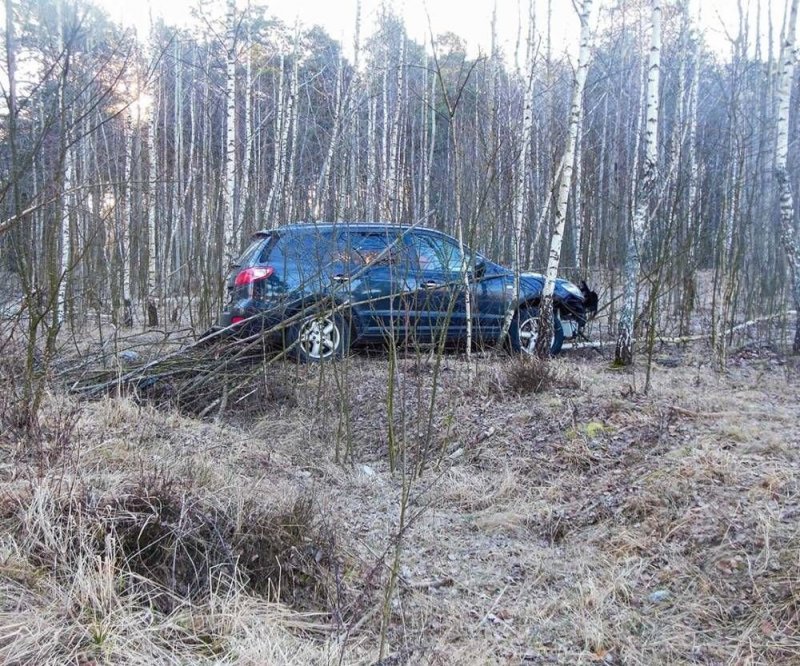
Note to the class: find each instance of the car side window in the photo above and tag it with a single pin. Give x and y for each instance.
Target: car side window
(309, 248)
(372, 249)
(437, 254)
(367, 248)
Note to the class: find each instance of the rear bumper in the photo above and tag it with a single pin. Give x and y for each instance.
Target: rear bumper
(249, 317)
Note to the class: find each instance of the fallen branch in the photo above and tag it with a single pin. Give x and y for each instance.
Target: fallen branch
(599, 344)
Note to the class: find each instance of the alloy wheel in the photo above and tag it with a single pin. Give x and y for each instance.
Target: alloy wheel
(319, 337)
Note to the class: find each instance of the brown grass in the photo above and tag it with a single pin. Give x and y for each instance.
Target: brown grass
(587, 523)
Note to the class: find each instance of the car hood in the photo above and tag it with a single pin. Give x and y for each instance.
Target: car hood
(564, 288)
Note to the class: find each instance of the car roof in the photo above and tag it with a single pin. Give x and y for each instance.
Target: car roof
(331, 226)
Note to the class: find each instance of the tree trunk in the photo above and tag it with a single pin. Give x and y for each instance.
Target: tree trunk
(124, 234)
(65, 196)
(788, 233)
(564, 186)
(152, 156)
(281, 140)
(624, 349)
(230, 241)
(521, 177)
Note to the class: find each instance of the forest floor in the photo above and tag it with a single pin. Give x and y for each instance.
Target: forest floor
(534, 515)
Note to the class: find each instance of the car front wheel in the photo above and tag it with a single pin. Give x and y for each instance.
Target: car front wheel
(320, 337)
(525, 330)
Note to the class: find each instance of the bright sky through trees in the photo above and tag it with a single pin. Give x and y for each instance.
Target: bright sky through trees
(470, 20)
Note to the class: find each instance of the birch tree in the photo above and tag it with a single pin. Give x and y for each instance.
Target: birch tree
(789, 235)
(693, 203)
(152, 156)
(281, 131)
(521, 190)
(644, 191)
(63, 268)
(124, 231)
(229, 238)
(564, 185)
(243, 214)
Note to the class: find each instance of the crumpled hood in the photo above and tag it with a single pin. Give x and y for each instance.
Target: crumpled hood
(536, 280)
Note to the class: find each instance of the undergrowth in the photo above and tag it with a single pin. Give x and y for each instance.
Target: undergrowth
(529, 374)
(169, 543)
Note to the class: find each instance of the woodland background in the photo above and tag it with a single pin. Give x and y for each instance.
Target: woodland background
(134, 168)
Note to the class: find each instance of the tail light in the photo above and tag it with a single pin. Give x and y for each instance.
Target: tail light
(253, 274)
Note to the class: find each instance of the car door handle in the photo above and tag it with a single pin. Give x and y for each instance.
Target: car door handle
(340, 278)
(431, 284)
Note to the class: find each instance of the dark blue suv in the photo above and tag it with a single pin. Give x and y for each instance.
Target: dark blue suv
(318, 288)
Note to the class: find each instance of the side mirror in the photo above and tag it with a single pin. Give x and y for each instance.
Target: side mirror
(480, 269)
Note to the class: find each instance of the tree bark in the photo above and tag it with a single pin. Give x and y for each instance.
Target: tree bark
(67, 175)
(152, 156)
(230, 241)
(564, 185)
(624, 348)
(789, 236)
(521, 191)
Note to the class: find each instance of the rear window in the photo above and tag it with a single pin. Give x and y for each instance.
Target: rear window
(255, 245)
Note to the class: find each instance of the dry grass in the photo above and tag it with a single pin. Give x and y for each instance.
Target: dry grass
(587, 523)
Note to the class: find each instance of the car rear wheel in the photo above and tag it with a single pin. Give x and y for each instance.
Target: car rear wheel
(525, 331)
(320, 337)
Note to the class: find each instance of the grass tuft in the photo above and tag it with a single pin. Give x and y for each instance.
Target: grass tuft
(529, 374)
(168, 544)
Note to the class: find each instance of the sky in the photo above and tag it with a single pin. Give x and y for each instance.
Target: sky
(470, 19)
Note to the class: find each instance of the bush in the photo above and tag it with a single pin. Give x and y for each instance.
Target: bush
(531, 375)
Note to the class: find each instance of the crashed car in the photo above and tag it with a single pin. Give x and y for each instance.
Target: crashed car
(317, 289)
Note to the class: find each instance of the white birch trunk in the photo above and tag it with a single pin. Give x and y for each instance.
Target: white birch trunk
(431, 150)
(385, 129)
(788, 231)
(564, 186)
(392, 205)
(624, 347)
(323, 184)
(578, 202)
(464, 269)
(245, 196)
(64, 267)
(372, 157)
(294, 106)
(67, 180)
(152, 279)
(282, 137)
(172, 253)
(229, 230)
(124, 234)
(520, 183)
(694, 217)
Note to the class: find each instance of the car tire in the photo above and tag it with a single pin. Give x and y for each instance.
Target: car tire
(321, 337)
(525, 328)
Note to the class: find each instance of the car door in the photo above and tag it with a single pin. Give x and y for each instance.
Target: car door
(492, 288)
(378, 270)
(436, 300)
(439, 294)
